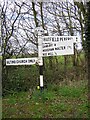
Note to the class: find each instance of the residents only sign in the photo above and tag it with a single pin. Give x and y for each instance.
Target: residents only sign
(21, 61)
(58, 45)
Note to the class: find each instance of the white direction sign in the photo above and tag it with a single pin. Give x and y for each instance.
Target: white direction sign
(21, 61)
(58, 45)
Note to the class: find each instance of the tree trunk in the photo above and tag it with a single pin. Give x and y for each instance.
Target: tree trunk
(88, 49)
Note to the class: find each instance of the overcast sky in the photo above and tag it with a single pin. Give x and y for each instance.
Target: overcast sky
(28, 1)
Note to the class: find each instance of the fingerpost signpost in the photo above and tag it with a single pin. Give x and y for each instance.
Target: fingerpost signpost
(47, 46)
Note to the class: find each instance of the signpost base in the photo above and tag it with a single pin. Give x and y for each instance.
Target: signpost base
(41, 89)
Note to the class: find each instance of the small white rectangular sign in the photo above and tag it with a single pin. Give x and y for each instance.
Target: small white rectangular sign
(21, 61)
(58, 45)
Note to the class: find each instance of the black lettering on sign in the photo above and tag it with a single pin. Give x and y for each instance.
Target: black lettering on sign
(47, 39)
(66, 38)
(57, 48)
(31, 61)
(44, 54)
(61, 39)
(24, 61)
(17, 61)
(51, 49)
(60, 48)
(69, 38)
(13, 61)
(52, 39)
(51, 53)
(8, 62)
(21, 61)
(55, 39)
(47, 45)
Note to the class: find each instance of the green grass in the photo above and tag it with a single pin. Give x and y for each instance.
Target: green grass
(66, 101)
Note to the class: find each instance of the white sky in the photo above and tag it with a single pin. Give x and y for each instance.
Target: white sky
(2, 1)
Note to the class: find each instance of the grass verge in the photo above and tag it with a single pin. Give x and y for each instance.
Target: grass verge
(66, 101)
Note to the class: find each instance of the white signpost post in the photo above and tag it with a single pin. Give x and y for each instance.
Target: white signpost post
(47, 46)
(41, 33)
